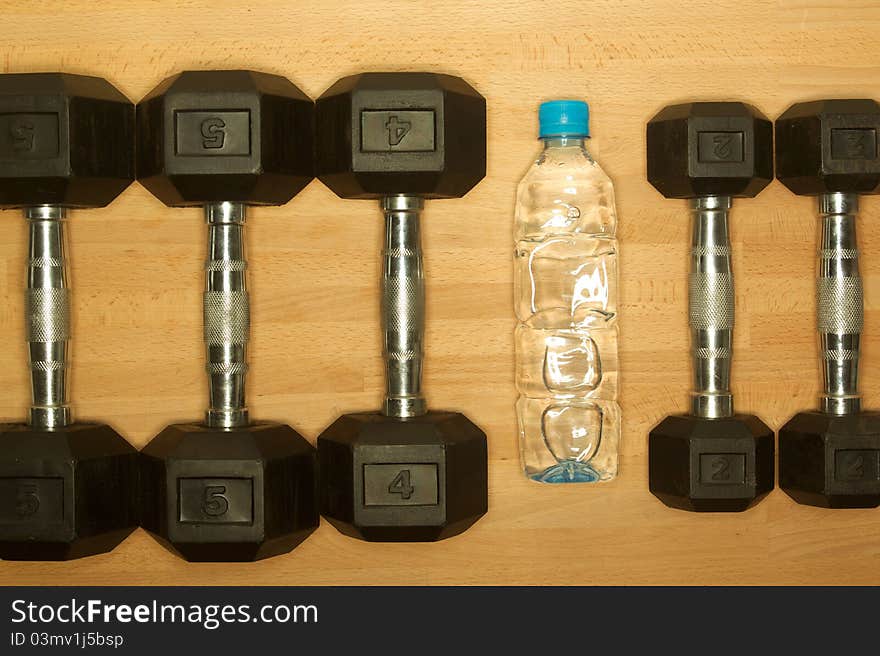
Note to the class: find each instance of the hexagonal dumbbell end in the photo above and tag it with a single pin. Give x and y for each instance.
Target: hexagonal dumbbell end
(710, 149)
(829, 146)
(385, 479)
(831, 461)
(66, 493)
(420, 134)
(65, 140)
(225, 495)
(218, 136)
(711, 465)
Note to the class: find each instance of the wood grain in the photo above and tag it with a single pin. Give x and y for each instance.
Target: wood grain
(137, 274)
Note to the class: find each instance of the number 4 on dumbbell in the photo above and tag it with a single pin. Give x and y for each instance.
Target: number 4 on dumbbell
(402, 485)
(405, 474)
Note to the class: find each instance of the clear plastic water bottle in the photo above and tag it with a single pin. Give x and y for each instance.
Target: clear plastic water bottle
(566, 304)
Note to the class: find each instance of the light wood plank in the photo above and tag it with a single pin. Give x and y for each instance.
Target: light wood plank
(315, 353)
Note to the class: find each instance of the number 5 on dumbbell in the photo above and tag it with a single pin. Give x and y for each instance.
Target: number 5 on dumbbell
(228, 488)
(67, 488)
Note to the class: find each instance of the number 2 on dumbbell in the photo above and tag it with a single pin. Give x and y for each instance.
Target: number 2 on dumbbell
(721, 469)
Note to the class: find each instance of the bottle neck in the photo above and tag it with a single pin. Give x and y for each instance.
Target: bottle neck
(564, 142)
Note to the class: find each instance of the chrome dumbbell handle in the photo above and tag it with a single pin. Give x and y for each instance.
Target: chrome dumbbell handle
(403, 307)
(839, 303)
(47, 317)
(227, 315)
(711, 307)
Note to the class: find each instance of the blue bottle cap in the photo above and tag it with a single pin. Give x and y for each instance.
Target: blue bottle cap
(564, 118)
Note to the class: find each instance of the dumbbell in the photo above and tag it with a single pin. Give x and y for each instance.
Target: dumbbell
(228, 488)
(405, 473)
(828, 149)
(711, 459)
(67, 489)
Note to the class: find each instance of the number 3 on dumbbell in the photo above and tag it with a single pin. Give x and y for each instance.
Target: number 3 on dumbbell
(402, 485)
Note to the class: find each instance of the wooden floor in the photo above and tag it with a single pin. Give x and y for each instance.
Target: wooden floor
(137, 274)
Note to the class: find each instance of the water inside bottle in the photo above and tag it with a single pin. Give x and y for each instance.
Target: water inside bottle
(566, 303)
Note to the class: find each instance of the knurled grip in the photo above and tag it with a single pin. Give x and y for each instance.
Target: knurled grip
(227, 317)
(711, 301)
(47, 315)
(839, 304)
(403, 305)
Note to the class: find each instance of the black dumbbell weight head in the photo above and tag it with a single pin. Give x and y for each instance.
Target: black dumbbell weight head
(717, 465)
(829, 146)
(65, 140)
(225, 136)
(418, 134)
(229, 494)
(418, 480)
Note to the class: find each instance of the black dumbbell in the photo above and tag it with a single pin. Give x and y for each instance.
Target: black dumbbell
(227, 489)
(67, 489)
(829, 149)
(402, 474)
(711, 459)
